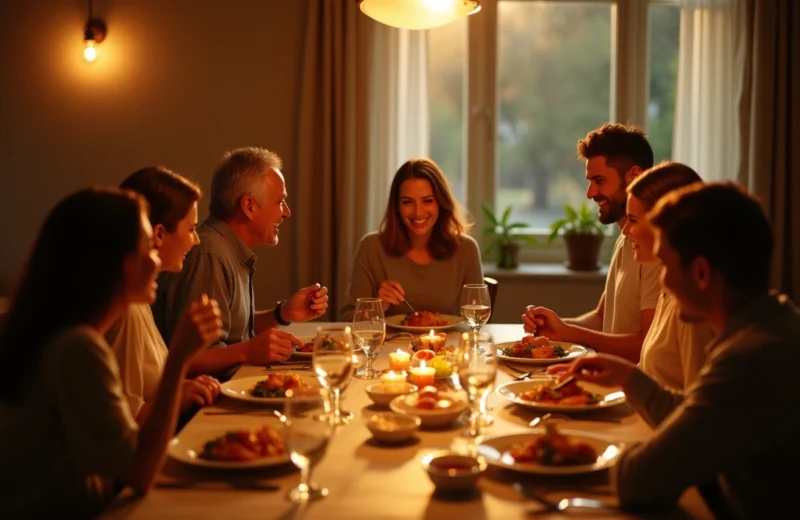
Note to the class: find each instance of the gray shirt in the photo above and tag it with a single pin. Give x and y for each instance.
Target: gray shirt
(62, 447)
(735, 424)
(222, 267)
(432, 287)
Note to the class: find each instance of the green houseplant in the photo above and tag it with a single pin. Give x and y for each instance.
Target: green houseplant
(505, 241)
(583, 233)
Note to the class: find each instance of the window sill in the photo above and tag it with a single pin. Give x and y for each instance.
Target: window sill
(553, 271)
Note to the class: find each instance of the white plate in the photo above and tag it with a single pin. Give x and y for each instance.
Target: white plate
(512, 389)
(573, 351)
(188, 446)
(452, 322)
(495, 451)
(240, 389)
(304, 339)
(431, 418)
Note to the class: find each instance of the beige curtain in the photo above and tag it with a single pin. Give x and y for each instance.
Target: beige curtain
(769, 116)
(332, 160)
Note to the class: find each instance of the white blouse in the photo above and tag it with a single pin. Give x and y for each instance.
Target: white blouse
(141, 354)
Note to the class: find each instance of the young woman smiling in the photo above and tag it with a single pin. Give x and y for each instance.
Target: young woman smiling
(672, 351)
(68, 440)
(422, 253)
(135, 339)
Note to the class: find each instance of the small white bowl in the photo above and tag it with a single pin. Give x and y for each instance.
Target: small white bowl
(437, 418)
(452, 471)
(381, 397)
(393, 428)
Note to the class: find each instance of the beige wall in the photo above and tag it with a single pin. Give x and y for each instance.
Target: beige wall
(177, 82)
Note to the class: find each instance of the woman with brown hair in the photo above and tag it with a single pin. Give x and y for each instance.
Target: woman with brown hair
(672, 351)
(68, 441)
(135, 339)
(422, 253)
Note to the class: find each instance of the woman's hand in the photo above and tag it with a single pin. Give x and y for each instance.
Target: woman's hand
(199, 327)
(392, 293)
(200, 391)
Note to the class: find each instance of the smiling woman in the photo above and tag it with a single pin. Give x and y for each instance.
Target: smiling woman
(422, 253)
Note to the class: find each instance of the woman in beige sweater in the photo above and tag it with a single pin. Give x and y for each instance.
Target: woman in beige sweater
(673, 350)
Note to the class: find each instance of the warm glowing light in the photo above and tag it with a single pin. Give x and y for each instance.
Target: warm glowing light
(418, 14)
(89, 53)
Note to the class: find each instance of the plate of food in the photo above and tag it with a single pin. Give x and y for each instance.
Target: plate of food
(424, 321)
(577, 396)
(267, 389)
(551, 451)
(307, 349)
(435, 408)
(230, 448)
(539, 350)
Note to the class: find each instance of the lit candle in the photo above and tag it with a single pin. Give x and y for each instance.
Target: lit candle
(393, 382)
(432, 341)
(423, 375)
(399, 360)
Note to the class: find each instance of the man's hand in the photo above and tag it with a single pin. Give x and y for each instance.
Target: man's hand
(544, 322)
(306, 304)
(200, 391)
(271, 346)
(600, 369)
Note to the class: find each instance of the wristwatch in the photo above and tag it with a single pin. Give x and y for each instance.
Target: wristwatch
(277, 313)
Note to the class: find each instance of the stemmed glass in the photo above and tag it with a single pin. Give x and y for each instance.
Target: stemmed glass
(475, 367)
(369, 330)
(332, 359)
(307, 430)
(476, 306)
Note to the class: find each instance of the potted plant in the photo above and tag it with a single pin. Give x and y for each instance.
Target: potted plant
(583, 234)
(506, 242)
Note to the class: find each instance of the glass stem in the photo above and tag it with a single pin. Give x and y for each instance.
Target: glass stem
(305, 475)
(337, 411)
(368, 368)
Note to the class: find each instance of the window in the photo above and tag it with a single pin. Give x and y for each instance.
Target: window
(513, 88)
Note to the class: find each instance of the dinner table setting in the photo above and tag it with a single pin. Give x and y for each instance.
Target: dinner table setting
(425, 415)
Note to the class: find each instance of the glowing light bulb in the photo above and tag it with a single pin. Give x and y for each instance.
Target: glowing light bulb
(89, 53)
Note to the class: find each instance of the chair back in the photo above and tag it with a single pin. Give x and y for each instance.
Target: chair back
(491, 284)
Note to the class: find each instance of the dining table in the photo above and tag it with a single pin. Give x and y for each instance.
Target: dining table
(367, 479)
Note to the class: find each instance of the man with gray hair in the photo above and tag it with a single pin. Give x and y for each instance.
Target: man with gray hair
(248, 205)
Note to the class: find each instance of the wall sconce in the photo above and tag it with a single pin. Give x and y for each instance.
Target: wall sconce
(94, 33)
(418, 14)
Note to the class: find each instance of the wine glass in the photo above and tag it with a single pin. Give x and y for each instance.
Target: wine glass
(307, 430)
(476, 306)
(369, 329)
(475, 367)
(332, 359)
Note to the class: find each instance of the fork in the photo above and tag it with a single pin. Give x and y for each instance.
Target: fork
(563, 504)
(526, 375)
(410, 307)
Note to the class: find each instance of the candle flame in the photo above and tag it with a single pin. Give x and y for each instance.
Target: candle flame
(422, 364)
(431, 333)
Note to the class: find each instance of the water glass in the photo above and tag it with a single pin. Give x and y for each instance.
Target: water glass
(369, 330)
(476, 306)
(332, 359)
(307, 430)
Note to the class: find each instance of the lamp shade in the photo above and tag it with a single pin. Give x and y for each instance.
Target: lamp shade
(418, 14)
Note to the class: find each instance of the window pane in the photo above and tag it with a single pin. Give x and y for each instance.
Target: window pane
(664, 31)
(447, 55)
(553, 86)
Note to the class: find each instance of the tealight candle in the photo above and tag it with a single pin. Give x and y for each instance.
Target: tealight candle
(432, 341)
(393, 382)
(399, 360)
(423, 375)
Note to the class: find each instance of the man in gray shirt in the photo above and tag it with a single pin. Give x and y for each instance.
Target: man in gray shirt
(248, 205)
(733, 433)
(615, 155)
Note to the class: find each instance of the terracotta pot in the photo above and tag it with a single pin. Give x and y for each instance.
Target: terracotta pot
(583, 252)
(508, 256)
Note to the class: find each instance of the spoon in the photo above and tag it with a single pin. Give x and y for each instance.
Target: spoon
(564, 504)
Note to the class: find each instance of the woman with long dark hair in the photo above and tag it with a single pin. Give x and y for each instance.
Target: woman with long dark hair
(68, 440)
(422, 252)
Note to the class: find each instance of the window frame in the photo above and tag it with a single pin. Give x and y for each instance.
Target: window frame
(629, 98)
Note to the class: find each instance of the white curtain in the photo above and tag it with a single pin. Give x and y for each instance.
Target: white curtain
(709, 87)
(398, 109)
